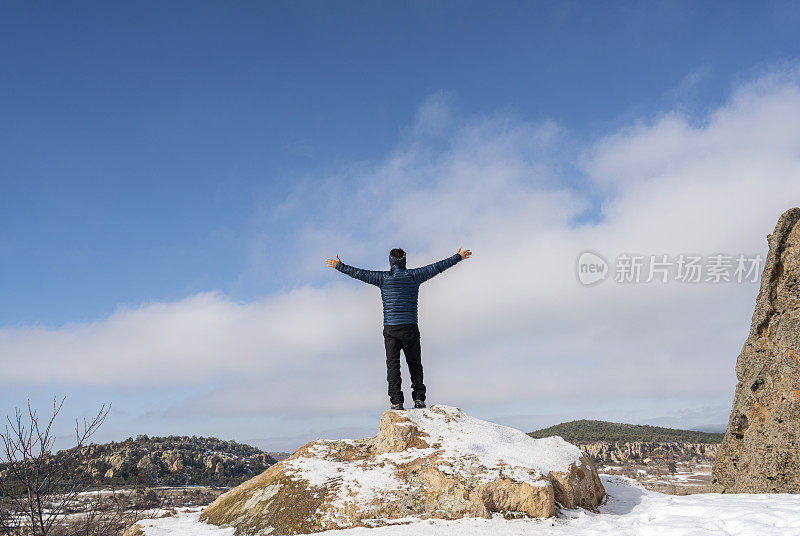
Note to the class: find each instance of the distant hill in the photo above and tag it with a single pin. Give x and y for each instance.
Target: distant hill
(177, 460)
(713, 428)
(280, 456)
(587, 431)
(172, 461)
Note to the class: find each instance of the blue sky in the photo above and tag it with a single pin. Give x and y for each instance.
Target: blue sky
(151, 153)
(141, 139)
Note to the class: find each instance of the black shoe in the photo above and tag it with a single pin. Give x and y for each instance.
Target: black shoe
(419, 404)
(398, 406)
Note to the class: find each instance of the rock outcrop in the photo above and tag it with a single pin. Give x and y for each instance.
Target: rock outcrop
(171, 461)
(619, 452)
(761, 449)
(436, 462)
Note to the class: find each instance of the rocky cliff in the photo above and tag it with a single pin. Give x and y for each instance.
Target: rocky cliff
(761, 449)
(642, 451)
(173, 460)
(436, 462)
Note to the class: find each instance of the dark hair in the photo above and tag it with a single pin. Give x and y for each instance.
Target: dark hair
(397, 253)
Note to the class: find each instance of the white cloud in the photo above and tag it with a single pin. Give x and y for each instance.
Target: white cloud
(509, 326)
(199, 338)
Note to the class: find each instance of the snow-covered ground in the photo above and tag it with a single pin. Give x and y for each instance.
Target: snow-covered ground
(690, 477)
(630, 510)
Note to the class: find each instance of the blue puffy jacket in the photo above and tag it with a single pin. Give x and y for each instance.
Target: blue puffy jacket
(399, 286)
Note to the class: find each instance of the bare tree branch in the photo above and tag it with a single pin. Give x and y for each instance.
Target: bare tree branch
(39, 489)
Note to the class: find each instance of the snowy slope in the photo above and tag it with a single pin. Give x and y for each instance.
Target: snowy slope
(630, 511)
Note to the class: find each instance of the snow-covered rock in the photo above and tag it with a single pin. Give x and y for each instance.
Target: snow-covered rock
(433, 463)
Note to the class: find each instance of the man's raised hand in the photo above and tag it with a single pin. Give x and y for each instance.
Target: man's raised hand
(464, 254)
(332, 262)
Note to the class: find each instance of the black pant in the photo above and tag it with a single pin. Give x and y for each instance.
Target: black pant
(403, 337)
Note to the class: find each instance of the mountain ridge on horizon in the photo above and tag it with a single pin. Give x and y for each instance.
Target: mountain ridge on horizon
(588, 431)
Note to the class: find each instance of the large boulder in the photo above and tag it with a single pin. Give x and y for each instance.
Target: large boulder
(761, 449)
(436, 462)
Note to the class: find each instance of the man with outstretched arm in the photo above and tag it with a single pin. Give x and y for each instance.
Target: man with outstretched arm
(399, 292)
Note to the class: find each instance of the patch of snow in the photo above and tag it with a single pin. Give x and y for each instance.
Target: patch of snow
(359, 485)
(186, 523)
(261, 495)
(317, 471)
(446, 469)
(495, 446)
(631, 510)
(353, 483)
(320, 449)
(405, 456)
